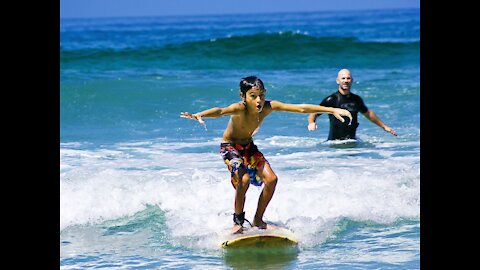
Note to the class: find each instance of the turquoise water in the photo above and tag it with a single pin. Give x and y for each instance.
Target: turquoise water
(142, 188)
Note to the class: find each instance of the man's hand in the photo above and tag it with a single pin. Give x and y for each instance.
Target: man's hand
(390, 130)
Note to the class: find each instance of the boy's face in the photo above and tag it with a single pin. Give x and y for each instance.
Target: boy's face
(255, 99)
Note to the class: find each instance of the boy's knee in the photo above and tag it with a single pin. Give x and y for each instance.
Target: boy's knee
(270, 181)
(245, 178)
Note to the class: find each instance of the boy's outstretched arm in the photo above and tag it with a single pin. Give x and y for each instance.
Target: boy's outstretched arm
(310, 108)
(213, 112)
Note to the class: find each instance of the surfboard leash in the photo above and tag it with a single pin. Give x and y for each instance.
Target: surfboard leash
(240, 218)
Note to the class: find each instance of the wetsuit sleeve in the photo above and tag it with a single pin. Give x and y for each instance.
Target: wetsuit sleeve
(361, 105)
(329, 101)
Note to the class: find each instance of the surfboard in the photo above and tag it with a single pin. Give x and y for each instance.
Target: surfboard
(263, 239)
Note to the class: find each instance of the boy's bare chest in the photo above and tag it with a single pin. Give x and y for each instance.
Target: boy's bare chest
(249, 123)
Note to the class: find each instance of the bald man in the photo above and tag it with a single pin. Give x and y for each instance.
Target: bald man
(345, 99)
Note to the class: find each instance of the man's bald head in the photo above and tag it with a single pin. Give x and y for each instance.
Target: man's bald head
(344, 73)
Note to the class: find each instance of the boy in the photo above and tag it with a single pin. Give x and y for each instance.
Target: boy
(244, 161)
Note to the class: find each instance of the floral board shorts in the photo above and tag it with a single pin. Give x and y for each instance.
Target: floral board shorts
(244, 156)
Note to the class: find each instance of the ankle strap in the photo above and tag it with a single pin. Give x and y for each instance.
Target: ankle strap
(240, 218)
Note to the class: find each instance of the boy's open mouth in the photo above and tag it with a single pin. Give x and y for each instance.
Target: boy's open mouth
(259, 107)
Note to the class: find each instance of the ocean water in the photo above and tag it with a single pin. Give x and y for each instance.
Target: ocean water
(142, 188)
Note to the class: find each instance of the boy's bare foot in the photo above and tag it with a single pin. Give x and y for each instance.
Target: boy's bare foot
(263, 225)
(237, 229)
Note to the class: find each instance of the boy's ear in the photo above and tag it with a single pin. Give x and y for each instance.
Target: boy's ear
(242, 95)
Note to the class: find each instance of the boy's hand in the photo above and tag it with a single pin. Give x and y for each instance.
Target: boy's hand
(312, 126)
(192, 116)
(339, 112)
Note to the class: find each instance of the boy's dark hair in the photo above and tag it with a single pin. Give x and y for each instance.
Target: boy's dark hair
(251, 81)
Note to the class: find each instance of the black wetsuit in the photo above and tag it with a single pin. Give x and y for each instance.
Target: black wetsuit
(351, 102)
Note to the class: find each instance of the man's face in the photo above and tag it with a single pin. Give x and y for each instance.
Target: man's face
(344, 80)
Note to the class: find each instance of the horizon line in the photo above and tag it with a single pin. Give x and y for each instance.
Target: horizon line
(236, 13)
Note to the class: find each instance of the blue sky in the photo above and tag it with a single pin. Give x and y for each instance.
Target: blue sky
(120, 8)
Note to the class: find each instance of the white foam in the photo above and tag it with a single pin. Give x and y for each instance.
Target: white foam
(315, 189)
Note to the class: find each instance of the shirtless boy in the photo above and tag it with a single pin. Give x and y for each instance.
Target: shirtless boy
(242, 157)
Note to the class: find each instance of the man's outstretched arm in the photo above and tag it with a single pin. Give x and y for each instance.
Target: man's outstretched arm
(370, 115)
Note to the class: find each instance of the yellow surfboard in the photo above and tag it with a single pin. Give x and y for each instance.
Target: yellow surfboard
(258, 238)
